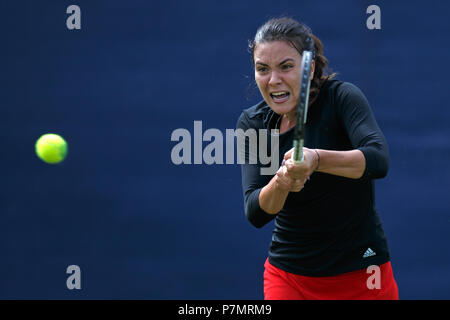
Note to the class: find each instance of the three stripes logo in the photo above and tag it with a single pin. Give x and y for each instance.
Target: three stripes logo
(369, 253)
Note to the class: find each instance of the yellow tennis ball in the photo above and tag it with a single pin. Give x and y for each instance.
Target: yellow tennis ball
(51, 148)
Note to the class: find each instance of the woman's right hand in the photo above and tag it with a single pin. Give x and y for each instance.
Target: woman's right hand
(286, 182)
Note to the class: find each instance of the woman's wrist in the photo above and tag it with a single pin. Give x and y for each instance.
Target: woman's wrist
(317, 160)
(272, 198)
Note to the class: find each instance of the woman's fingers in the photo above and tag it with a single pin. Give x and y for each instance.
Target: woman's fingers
(288, 155)
(287, 182)
(297, 170)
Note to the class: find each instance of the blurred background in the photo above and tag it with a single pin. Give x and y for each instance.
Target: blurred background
(141, 227)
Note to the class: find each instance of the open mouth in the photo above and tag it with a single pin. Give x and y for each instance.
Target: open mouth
(280, 97)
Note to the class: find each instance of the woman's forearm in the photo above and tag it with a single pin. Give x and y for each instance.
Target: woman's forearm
(349, 164)
(272, 197)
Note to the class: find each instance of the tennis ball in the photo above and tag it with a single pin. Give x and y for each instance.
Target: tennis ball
(51, 148)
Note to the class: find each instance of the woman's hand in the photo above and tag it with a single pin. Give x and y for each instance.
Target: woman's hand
(286, 182)
(292, 176)
(303, 170)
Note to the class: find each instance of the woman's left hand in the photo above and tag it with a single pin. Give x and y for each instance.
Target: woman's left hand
(304, 169)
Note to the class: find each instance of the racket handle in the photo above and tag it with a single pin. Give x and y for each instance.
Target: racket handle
(297, 155)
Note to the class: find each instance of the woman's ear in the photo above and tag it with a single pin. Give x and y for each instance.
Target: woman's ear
(313, 65)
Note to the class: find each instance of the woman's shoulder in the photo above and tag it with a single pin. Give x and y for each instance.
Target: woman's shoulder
(338, 85)
(339, 89)
(341, 86)
(258, 110)
(255, 115)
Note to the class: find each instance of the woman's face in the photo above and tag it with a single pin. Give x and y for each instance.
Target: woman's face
(277, 74)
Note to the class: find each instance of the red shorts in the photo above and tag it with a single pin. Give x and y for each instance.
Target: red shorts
(373, 283)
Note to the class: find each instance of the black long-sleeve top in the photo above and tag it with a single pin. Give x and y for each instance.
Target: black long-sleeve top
(331, 226)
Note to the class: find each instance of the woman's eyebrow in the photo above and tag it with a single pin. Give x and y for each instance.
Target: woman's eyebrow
(282, 62)
(286, 60)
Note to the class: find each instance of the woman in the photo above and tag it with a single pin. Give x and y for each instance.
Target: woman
(327, 230)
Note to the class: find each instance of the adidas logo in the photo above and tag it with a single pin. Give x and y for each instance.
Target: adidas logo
(369, 253)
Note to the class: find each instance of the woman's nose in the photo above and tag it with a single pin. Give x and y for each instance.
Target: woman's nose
(274, 78)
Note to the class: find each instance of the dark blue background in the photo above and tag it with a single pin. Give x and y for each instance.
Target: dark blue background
(141, 227)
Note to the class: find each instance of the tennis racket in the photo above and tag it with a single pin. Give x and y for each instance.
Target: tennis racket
(302, 111)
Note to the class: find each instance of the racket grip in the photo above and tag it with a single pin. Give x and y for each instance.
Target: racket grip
(298, 161)
(297, 154)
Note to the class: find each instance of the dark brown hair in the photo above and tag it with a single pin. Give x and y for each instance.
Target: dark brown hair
(301, 38)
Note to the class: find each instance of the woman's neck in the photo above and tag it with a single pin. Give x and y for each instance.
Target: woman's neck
(288, 121)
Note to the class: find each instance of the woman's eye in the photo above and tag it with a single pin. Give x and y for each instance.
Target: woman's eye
(287, 66)
(261, 69)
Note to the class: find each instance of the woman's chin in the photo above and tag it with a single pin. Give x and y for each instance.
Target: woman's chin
(281, 108)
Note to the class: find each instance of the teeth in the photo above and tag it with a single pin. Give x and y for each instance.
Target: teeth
(279, 93)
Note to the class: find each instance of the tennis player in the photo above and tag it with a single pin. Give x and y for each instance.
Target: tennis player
(327, 230)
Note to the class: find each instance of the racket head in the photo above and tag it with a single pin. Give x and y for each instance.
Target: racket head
(302, 107)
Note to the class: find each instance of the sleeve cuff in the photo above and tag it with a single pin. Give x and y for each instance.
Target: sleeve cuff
(376, 164)
(257, 216)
